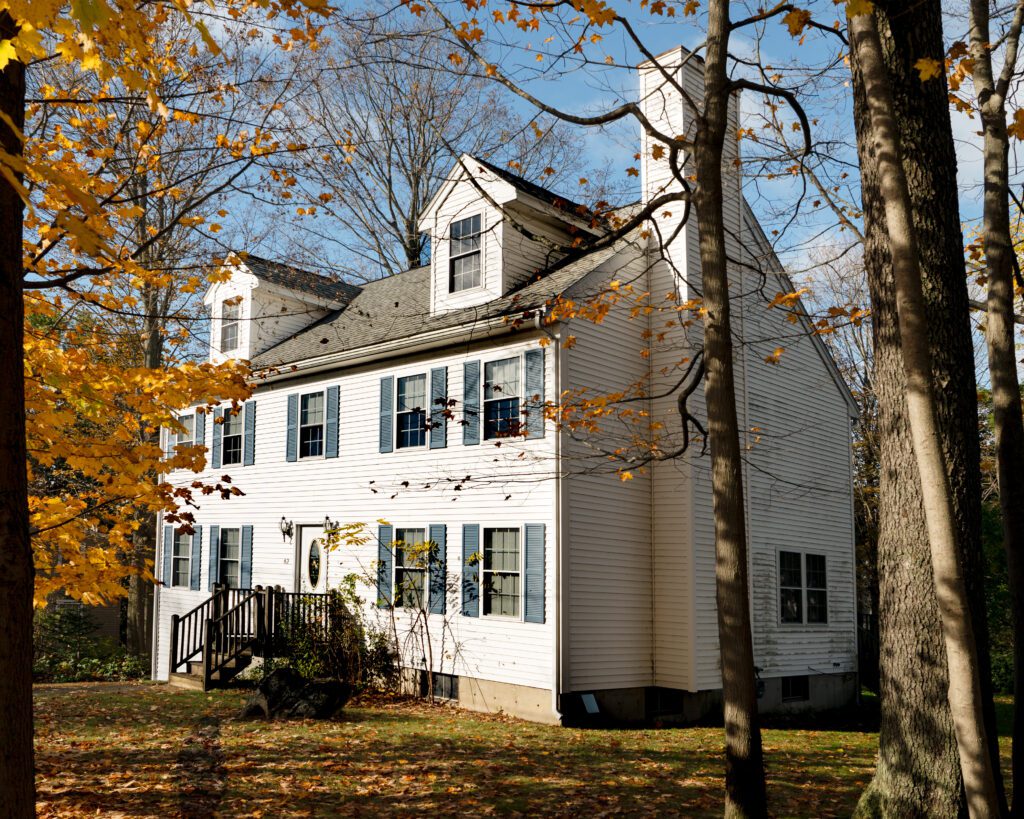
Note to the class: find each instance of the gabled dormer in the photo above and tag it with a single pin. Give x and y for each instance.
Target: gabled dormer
(490, 232)
(261, 303)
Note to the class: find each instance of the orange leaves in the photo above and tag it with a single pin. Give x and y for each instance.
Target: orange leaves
(597, 11)
(927, 68)
(796, 21)
(774, 356)
(1016, 128)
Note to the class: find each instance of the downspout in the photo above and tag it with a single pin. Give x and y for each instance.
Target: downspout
(560, 506)
(155, 639)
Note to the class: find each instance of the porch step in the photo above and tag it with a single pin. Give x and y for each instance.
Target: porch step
(193, 678)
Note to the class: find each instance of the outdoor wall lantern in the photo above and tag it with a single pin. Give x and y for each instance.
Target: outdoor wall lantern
(287, 528)
(329, 525)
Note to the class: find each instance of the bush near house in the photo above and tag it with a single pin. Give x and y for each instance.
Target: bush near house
(66, 650)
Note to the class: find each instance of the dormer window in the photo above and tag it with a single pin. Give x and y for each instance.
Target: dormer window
(464, 255)
(230, 316)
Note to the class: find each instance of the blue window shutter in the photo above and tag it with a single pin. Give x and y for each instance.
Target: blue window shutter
(197, 557)
(533, 569)
(249, 434)
(470, 570)
(385, 561)
(331, 422)
(438, 407)
(199, 425)
(168, 549)
(291, 452)
(534, 392)
(438, 564)
(214, 566)
(245, 570)
(387, 413)
(471, 403)
(218, 432)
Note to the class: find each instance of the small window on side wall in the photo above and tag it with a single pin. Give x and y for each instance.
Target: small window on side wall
(502, 416)
(796, 689)
(230, 318)
(464, 255)
(803, 588)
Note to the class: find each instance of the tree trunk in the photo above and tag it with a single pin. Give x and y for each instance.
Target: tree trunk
(918, 770)
(17, 770)
(1008, 421)
(966, 696)
(744, 768)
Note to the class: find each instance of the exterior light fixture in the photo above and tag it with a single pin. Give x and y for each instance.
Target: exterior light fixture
(287, 528)
(329, 525)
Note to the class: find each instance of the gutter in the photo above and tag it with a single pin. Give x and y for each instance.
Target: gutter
(560, 511)
(488, 328)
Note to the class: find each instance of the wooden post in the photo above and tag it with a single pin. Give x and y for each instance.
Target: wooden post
(259, 626)
(173, 648)
(208, 654)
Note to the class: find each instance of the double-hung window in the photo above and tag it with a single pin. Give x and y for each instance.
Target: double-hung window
(803, 588)
(464, 255)
(230, 319)
(230, 557)
(311, 425)
(501, 572)
(232, 438)
(411, 568)
(181, 574)
(502, 416)
(412, 411)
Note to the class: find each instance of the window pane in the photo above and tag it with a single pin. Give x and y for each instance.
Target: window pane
(501, 378)
(816, 572)
(181, 559)
(231, 310)
(233, 423)
(312, 409)
(501, 550)
(465, 272)
(185, 437)
(230, 544)
(409, 551)
(792, 605)
(501, 594)
(229, 573)
(232, 445)
(412, 393)
(228, 337)
(790, 572)
(311, 441)
(817, 606)
(501, 418)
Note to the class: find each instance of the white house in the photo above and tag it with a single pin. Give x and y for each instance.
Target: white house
(413, 404)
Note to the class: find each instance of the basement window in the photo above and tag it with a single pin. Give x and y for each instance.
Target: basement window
(796, 689)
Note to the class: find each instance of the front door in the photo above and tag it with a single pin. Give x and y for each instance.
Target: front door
(311, 559)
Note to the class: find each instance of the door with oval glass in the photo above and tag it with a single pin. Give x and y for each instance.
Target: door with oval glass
(311, 559)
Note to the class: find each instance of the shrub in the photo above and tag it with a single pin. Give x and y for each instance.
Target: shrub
(66, 651)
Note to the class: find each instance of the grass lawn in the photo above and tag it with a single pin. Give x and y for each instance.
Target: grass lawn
(114, 749)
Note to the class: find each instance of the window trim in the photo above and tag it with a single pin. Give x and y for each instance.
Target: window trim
(221, 560)
(521, 364)
(804, 623)
(236, 323)
(175, 443)
(425, 409)
(175, 559)
(240, 415)
(452, 257)
(395, 597)
(323, 427)
(521, 528)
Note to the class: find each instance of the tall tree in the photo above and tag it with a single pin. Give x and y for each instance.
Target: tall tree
(991, 91)
(901, 298)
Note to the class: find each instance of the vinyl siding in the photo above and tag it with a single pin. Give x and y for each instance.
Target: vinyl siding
(609, 560)
(362, 485)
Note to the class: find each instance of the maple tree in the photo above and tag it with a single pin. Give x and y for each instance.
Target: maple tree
(67, 202)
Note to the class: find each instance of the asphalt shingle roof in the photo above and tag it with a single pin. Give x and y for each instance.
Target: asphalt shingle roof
(301, 281)
(399, 307)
